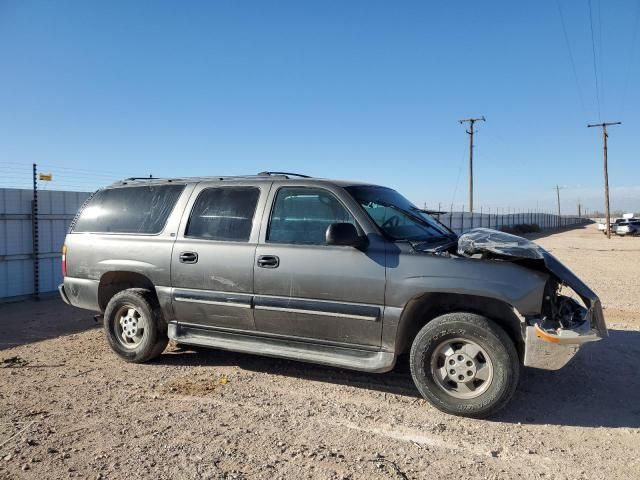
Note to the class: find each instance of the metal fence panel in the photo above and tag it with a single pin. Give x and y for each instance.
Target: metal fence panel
(56, 209)
(461, 222)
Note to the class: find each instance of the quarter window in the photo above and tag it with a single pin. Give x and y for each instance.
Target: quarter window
(223, 214)
(139, 209)
(302, 215)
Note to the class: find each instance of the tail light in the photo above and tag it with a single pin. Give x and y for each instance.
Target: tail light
(64, 260)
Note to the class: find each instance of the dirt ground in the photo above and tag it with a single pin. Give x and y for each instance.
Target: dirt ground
(70, 409)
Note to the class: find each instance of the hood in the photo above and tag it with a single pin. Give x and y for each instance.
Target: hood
(504, 246)
(486, 240)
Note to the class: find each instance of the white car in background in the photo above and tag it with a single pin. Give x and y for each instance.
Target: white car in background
(629, 227)
(602, 226)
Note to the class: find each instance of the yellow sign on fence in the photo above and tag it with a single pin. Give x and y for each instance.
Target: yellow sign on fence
(45, 177)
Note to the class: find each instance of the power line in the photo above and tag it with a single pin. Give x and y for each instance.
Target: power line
(74, 169)
(632, 53)
(572, 61)
(601, 57)
(455, 190)
(595, 66)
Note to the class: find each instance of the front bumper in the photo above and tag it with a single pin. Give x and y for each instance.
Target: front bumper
(553, 350)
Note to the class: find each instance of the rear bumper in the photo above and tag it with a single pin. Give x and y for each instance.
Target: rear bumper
(80, 292)
(63, 294)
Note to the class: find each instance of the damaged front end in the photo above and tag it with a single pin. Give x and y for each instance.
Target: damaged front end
(565, 322)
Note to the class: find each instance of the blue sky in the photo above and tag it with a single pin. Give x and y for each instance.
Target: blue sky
(366, 90)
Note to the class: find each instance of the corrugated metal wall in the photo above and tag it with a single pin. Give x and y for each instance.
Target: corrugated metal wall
(56, 209)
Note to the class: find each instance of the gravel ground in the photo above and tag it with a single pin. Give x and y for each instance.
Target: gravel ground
(70, 409)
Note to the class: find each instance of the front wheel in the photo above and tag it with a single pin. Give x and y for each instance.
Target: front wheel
(465, 364)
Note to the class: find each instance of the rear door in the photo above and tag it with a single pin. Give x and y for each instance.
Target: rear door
(213, 256)
(305, 288)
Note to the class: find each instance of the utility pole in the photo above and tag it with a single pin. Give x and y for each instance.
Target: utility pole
(606, 170)
(579, 209)
(471, 121)
(558, 196)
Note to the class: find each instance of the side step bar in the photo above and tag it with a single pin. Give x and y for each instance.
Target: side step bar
(353, 359)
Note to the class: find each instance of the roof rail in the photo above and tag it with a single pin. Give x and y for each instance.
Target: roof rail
(143, 180)
(286, 174)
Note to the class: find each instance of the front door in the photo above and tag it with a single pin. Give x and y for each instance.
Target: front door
(213, 256)
(306, 288)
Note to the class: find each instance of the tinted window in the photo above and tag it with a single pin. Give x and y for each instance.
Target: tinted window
(302, 215)
(224, 214)
(129, 209)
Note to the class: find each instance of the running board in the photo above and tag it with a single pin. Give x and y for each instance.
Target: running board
(350, 358)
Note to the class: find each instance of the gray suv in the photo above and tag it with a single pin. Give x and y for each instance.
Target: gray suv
(339, 273)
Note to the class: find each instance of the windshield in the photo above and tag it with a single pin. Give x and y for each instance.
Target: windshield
(396, 216)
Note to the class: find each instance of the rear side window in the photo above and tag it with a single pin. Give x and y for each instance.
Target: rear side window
(302, 215)
(223, 214)
(142, 210)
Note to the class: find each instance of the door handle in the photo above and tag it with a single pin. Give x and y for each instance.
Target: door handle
(268, 261)
(188, 257)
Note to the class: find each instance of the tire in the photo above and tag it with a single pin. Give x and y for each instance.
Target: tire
(482, 383)
(150, 338)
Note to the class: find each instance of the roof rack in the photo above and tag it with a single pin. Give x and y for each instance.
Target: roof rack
(205, 178)
(286, 174)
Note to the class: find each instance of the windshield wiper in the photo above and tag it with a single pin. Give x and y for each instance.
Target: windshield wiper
(419, 245)
(439, 234)
(451, 232)
(415, 217)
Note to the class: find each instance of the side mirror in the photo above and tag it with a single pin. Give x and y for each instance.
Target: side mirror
(344, 234)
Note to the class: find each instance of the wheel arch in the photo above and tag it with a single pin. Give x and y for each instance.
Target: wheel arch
(427, 306)
(116, 281)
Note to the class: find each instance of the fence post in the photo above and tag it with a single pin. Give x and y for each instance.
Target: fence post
(35, 236)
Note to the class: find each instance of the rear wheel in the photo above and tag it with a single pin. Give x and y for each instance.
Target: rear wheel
(465, 364)
(134, 326)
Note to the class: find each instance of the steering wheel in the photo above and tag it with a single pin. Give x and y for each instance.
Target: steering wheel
(391, 222)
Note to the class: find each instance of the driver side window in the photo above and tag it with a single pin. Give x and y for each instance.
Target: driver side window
(301, 215)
